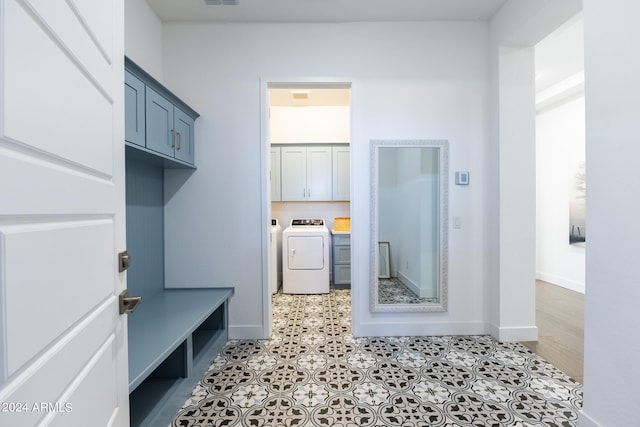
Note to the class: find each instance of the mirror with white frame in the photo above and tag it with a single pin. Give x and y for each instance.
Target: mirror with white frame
(409, 221)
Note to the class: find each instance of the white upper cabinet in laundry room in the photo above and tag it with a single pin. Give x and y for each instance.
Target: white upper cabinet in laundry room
(306, 173)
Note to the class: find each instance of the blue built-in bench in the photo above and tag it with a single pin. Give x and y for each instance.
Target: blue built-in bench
(174, 335)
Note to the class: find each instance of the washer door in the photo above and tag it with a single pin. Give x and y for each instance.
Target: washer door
(305, 252)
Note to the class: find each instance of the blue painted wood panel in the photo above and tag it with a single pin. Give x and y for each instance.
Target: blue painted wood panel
(184, 125)
(134, 118)
(145, 227)
(160, 130)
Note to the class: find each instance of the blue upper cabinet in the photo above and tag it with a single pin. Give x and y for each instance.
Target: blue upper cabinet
(158, 125)
(183, 126)
(160, 130)
(134, 106)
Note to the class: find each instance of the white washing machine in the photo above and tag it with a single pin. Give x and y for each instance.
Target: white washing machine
(305, 252)
(276, 256)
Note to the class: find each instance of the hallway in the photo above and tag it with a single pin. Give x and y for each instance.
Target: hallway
(314, 372)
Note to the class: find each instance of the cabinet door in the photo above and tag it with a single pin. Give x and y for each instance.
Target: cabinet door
(159, 114)
(319, 173)
(276, 194)
(341, 174)
(294, 174)
(134, 130)
(183, 127)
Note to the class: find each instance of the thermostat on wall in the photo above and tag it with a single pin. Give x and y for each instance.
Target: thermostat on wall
(462, 178)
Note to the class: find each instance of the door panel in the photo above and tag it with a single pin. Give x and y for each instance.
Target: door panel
(59, 367)
(84, 396)
(294, 174)
(319, 173)
(50, 103)
(53, 251)
(184, 135)
(62, 206)
(134, 120)
(159, 114)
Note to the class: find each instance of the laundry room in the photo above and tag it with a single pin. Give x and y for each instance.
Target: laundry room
(309, 135)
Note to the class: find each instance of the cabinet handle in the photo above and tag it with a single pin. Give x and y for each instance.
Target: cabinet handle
(173, 138)
(179, 141)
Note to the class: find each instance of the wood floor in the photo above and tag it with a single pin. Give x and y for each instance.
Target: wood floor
(560, 321)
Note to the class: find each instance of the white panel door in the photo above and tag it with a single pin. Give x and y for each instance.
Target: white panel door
(63, 343)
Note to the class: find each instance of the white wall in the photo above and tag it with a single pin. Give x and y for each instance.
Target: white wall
(560, 140)
(515, 29)
(309, 124)
(560, 149)
(435, 86)
(143, 37)
(612, 90)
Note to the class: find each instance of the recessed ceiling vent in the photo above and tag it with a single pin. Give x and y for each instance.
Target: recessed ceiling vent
(221, 2)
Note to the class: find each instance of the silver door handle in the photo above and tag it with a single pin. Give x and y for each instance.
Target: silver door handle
(173, 138)
(128, 304)
(179, 141)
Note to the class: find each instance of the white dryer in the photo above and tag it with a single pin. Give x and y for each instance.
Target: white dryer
(276, 255)
(305, 263)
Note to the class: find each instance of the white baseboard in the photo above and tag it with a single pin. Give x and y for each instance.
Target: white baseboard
(248, 332)
(400, 329)
(514, 333)
(413, 286)
(561, 281)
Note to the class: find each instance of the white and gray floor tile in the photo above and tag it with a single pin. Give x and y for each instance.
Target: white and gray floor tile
(313, 372)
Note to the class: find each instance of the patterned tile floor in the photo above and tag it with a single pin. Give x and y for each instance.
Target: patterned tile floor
(313, 372)
(393, 291)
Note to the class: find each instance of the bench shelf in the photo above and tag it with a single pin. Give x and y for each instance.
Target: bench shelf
(174, 336)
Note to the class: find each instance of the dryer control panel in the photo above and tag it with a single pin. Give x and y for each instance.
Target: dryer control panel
(307, 222)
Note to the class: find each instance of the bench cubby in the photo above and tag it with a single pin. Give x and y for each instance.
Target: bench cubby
(173, 337)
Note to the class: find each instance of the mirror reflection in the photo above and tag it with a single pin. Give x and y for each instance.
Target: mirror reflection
(409, 234)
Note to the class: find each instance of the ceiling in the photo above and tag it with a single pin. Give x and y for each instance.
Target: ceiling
(308, 11)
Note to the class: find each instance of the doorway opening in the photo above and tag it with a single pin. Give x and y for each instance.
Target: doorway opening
(306, 138)
(560, 197)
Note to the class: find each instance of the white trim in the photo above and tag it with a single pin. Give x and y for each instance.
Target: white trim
(402, 329)
(265, 203)
(561, 281)
(249, 332)
(514, 333)
(265, 85)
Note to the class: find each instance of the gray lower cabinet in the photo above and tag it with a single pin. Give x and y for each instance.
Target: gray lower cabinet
(341, 259)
